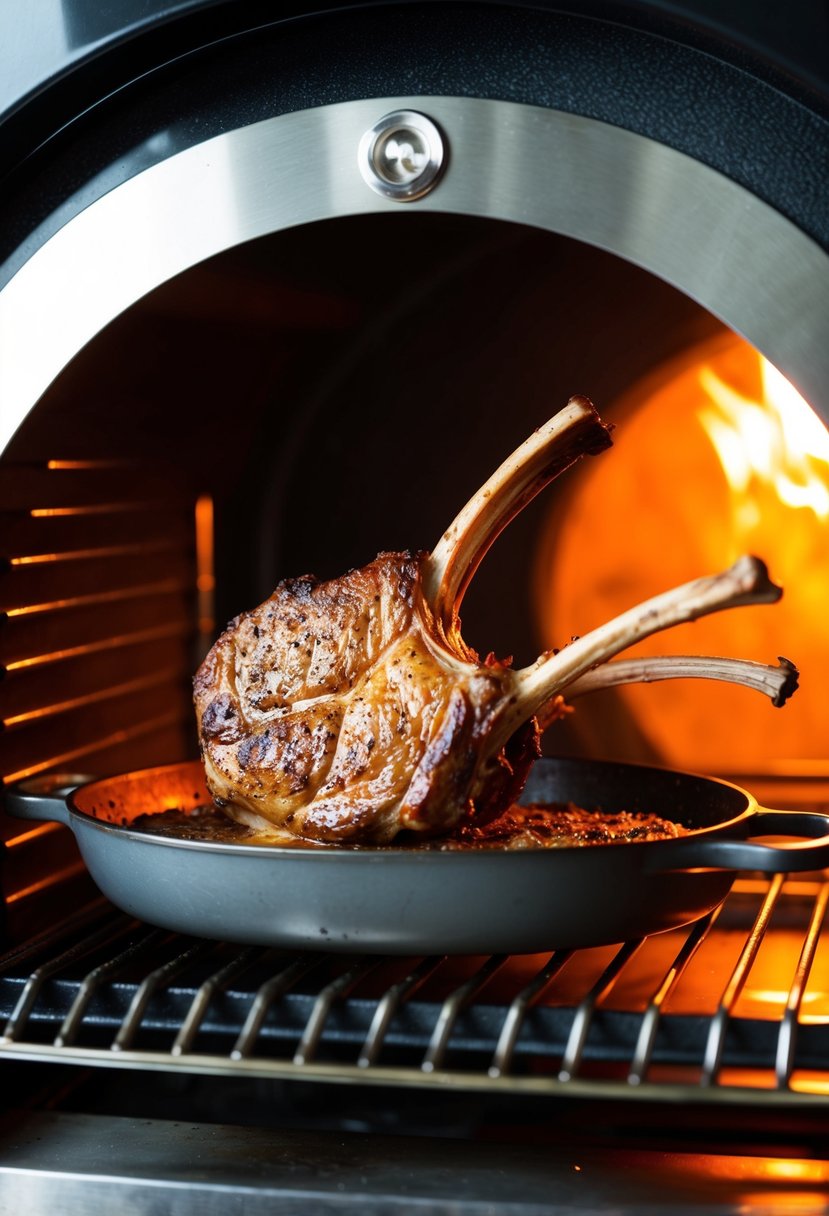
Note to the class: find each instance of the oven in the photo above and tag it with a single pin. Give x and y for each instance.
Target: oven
(277, 295)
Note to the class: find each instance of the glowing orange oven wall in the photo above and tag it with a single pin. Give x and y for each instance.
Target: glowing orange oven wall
(716, 455)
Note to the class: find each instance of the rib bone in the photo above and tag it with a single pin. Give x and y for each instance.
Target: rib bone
(777, 683)
(746, 582)
(573, 432)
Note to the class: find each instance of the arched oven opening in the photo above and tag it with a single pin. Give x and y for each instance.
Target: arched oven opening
(303, 401)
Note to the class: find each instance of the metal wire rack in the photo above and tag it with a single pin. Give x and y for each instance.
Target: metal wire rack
(734, 1008)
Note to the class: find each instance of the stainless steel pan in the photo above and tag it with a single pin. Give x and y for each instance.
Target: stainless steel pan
(398, 901)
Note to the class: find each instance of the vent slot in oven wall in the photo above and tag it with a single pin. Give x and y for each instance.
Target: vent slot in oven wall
(97, 637)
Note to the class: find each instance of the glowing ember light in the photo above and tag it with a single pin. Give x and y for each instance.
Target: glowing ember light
(797, 1171)
(774, 452)
(205, 573)
(778, 442)
(715, 455)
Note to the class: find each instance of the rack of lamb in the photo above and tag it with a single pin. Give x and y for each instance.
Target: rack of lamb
(350, 711)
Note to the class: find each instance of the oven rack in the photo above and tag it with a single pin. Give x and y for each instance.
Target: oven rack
(105, 990)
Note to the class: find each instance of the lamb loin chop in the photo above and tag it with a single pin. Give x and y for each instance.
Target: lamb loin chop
(352, 710)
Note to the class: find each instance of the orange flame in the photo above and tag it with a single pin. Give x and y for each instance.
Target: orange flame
(776, 444)
(716, 455)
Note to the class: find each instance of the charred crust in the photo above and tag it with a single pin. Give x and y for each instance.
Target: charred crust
(600, 439)
(300, 588)
(255, 750)
(205, 677)
(594, 435)
(220, 720)
(789, 685)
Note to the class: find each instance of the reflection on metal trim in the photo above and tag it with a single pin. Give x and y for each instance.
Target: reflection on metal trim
(606, 186)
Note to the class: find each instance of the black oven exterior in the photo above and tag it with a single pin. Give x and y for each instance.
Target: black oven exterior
(96, 100)
(740, 89)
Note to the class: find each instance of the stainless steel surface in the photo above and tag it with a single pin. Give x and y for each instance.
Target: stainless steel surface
(89, 1165)
(389, 1005)
(452, 1007)
(653, 206)
(269, 992)
(787, 1038)
(397, 900)
(715, 1045)
(505, 1050)
(573, 1056)
(646, 1040)
(401, 156)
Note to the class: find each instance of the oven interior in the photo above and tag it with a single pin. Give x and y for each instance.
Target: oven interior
(295, 405)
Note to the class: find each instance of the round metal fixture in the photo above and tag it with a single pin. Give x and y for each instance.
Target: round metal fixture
(402, 155)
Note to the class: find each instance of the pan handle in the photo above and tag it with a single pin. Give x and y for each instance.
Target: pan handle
(722, 854)
(44, 797)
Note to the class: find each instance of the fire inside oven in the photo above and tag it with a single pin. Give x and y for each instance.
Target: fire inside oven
(296, 404)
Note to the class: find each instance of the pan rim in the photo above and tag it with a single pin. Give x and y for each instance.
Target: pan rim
(417, 856)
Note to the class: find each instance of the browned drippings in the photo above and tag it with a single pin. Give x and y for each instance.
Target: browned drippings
(211, 824)
(560, 825)
(538, 826)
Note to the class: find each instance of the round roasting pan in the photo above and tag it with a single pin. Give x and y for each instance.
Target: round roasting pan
(400, 901)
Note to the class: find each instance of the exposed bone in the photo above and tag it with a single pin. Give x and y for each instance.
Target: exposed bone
(778, 683)
(573, 432)
(746, 582)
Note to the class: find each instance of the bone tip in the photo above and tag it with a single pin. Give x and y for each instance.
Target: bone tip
(581, 402)
(753, 576)
(600, 439)
(790, 683)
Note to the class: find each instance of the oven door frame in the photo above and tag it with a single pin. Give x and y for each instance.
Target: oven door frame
(609, 187)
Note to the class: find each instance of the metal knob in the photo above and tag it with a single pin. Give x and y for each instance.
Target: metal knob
(402, 156)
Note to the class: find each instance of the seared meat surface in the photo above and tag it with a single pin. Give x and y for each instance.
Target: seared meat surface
(331, 711)
(351, 710)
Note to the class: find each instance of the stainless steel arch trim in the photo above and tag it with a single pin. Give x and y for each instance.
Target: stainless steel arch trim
(600, 184)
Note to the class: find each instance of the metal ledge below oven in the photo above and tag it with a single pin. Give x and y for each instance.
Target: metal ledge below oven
(91, 1164)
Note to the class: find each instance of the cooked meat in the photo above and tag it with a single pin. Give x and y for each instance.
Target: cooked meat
(351, 710)
(333, 711)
